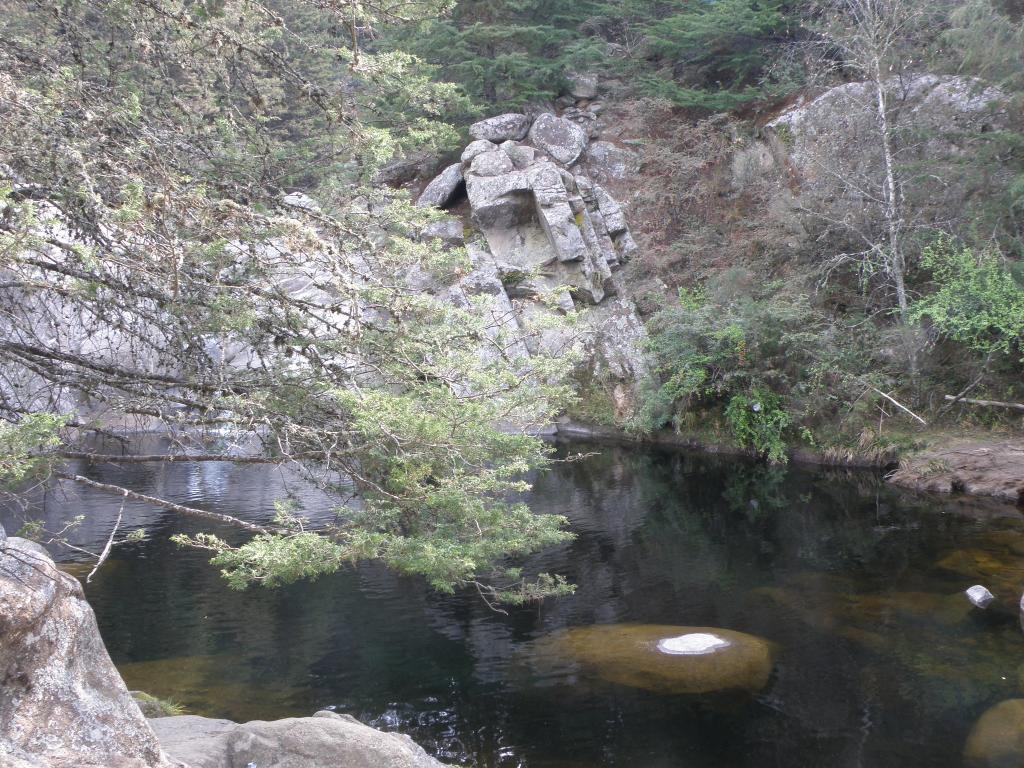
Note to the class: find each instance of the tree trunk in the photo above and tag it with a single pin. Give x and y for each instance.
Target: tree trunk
(895, 262)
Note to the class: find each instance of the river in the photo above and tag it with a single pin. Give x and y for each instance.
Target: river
(880, 661)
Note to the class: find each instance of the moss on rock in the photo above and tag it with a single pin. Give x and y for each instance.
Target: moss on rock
(668, 659)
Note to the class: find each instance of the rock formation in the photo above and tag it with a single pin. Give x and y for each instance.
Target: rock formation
(547, 235)
(62, 703)
(831, 153)
(326, 740)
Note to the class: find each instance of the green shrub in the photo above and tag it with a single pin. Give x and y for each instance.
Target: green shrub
(758, 420)
(736, 336)
(977, 301)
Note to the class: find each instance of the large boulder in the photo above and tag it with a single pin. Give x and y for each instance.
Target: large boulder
(473, 149)
(668, 659)
(582, 85)
(606, 161)
(499, 201)
(997, 739)
(492, 163)
(831, 154)
(562, 139)
(62, 702)
(326, 740)
(442, 188)
(511, 126)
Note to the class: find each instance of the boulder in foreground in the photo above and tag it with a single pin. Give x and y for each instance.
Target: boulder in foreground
(326, 740)
(62, 702)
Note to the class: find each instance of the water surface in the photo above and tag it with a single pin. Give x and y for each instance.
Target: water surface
(880, 663)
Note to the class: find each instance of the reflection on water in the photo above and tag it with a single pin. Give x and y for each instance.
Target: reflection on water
(878, 660)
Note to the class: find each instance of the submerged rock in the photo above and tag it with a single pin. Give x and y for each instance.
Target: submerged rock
(326, 740)
(997, 739)
(668, 659)
(62, 702)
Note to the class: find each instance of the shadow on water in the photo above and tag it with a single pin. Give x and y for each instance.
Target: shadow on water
(878, 660)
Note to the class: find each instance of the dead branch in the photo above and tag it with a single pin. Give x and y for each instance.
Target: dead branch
(986, 403)
(178, 508)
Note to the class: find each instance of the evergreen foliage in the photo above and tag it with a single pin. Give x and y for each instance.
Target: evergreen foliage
(729, 348)
(512, 52)
(154, 267)
(710, 56)
(719, 53)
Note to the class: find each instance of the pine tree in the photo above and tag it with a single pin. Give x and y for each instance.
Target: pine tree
(160, 269)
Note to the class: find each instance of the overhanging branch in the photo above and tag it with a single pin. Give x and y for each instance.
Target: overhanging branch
(178, 508)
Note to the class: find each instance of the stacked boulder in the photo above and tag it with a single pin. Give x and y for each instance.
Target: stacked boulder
(543, 236)
(521, 175)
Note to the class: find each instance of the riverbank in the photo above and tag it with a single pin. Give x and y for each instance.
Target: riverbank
(937, 461)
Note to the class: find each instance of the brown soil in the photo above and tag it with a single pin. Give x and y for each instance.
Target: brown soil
(982, 467)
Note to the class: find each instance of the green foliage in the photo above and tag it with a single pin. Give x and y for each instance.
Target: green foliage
(509, 51)
(545, 585)
(153, 706)
(270, 560)
(977, 301)
(24, 447)
(161, 138)
(514, 52)
(729, 339)
(719, 52)
(758, 421)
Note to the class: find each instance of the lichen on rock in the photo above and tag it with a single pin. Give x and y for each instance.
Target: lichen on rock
(62, 702)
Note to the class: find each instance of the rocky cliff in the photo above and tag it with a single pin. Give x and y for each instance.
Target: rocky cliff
(546, 238)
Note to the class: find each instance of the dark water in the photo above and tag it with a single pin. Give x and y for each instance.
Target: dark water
(880, 663)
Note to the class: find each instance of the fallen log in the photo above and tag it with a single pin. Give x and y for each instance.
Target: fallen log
(991, 403)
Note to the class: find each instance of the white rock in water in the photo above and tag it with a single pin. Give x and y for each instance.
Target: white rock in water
(693, 644)
(979, 596)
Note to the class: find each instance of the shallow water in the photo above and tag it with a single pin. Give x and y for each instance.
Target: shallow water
(879, 662)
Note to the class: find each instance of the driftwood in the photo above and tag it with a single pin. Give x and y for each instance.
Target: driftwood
(899, 405)
(990, 403)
